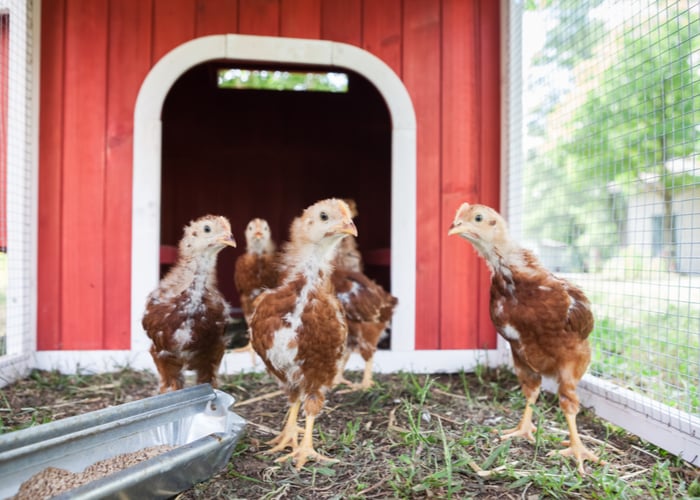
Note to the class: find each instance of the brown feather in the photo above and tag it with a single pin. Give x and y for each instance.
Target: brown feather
(368, 309)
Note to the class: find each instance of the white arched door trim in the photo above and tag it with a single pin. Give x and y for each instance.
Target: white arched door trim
(147, 159)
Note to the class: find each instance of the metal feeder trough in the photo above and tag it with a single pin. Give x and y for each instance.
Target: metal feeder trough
(196, 421)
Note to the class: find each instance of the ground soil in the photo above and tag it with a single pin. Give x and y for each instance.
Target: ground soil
(411, 436)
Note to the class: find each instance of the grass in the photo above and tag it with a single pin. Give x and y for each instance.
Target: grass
(648, 343)
(409, 436)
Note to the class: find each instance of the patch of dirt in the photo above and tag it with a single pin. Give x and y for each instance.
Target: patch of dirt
(410, 436)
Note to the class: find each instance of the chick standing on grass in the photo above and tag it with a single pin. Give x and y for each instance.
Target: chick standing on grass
(546, 320)
(298, 328)
(186, 314)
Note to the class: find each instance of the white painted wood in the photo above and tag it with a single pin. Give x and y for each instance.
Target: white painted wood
(675, 431)
(383, 77)
(235, 362)
(403, 237)
(669, 428)
(276, 49)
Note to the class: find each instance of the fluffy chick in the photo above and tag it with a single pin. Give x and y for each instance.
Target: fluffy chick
(257, 268)
(348, 256)
(185, 315)
(298, 328)
(546, 319)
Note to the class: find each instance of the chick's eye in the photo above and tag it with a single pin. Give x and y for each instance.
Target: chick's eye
(478, 218)
(323, 216)
(207, 229)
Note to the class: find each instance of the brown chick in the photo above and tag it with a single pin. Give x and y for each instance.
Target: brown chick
(298, 329)
(546, 320)
(368, 309)
(256, 269)
(348, 256)
(186, 314)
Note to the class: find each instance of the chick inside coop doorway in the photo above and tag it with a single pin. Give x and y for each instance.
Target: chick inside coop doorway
(247, 153)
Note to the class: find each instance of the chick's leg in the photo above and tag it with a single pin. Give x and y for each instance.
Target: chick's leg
(207, 364)
(369, 336)
(530, 384)
(305, 450)
(248, 348)
(289, 435)
(569, 403)
(340, 376)
(169, 368)
(367, 381)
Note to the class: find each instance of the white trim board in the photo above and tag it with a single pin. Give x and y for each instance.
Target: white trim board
(147, 159)
(674, 430)
(89, 362)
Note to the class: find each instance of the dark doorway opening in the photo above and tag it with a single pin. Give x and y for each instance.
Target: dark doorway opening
(270, 154)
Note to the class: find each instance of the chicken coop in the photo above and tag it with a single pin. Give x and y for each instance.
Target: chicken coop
(116, 130)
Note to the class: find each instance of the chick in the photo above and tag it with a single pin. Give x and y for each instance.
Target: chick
(546, 320)
(185, 315)
(255, 270)
(298, 328)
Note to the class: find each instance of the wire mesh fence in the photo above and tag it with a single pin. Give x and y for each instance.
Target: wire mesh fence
(608, 189)
(17, 189)
(4, 70)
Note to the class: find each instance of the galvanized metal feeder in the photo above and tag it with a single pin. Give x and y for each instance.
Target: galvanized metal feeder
(197, 422)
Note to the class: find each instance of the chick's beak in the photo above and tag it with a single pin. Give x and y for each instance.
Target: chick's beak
(230, 241)
(455, 229)
(347, 227)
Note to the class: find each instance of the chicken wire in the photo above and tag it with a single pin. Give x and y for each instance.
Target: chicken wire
(603, 183)
(17, 191)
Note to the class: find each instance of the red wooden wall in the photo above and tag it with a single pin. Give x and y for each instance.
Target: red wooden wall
(95, 55)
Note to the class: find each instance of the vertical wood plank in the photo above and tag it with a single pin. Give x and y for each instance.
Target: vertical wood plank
(130, 23)
(83, 230)
(173, 25)
(215, 17)
(300, 18)
(341, 21)
(421, 75)
(49, 275)
(381, 31)
(460, 173)
(490, 154)
(259, 17)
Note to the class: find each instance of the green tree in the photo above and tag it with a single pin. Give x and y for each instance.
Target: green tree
(640, 113)
(558, 202)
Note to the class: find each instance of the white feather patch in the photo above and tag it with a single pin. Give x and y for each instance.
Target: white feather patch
(510, 333)
(281, 355)
(183, 335)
